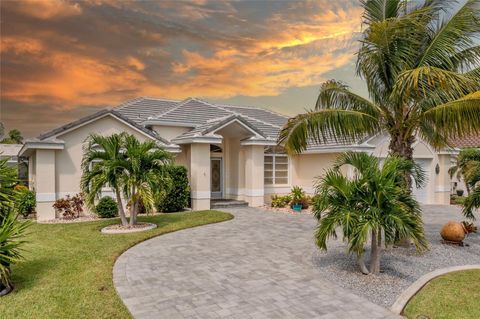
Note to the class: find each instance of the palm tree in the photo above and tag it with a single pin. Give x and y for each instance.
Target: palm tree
(471, 158)
(466, 166)
(8, 179)
(371, 204)
(100, 165)
(145, 172)
(421, 67)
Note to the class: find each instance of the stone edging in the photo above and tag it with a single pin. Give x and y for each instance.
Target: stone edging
(150, 226)
(408, 294)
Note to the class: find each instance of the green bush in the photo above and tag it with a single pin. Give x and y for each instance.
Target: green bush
(25, 201)
(280, 201)
(107, 207)
(178, 197)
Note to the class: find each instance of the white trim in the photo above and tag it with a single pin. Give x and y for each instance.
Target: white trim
(198, 140)
(200, 195)
(168, 123)
(258, 142)
(239, 122)
(253, 192)
(45, 197)
(443, 189)
(277, 190)
(41, 145)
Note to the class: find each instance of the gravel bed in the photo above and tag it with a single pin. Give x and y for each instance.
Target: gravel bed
(401, 266)
(80, 219)
(287, 210)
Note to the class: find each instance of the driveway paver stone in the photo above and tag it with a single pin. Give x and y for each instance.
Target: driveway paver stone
(258, 265)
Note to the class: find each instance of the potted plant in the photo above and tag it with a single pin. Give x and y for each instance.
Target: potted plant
(298, 196)
(459, 192)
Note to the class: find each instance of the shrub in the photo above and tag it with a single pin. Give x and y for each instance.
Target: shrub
(178, 196)
(70, 206)
(280, 201)
(107, 207)
(25, 201)
(11, 238)
(299, 197)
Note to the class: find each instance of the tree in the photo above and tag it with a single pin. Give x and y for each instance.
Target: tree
(14, 137)
(8, 179)
(101, 168)
(132, 168)
(471, 161)
(466, 166)
(145, 171)
(421, 67)
(373, 203)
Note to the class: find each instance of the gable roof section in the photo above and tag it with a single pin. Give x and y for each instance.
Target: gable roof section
(100, 114)
(140, 109)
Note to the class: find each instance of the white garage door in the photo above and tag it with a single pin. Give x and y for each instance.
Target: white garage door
(421, 194)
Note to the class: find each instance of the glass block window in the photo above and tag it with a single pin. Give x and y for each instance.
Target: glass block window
(275, 166)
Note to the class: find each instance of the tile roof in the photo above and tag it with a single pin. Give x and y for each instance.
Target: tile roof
(140, 109)
(467, 141)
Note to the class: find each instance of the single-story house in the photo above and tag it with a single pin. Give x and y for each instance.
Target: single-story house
(230, 152)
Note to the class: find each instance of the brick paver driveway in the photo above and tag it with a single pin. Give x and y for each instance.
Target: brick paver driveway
(257, 265)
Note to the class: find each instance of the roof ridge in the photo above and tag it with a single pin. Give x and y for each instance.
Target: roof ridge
(254, 119)
(159, 98)
(181, 103)
(256, 107)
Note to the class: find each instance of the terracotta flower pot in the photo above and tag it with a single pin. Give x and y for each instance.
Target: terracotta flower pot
(453, 231)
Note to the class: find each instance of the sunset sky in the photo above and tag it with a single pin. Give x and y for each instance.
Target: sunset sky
(61, 60)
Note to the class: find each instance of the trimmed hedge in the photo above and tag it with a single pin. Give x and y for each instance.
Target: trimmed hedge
(107, 207)
(178, 197)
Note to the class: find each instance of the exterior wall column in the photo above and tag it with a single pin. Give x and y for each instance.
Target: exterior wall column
(45, 183)
(443, 182)
(200, 176)
(254, 184)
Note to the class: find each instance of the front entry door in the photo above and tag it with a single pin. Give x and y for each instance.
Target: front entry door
(217, 177)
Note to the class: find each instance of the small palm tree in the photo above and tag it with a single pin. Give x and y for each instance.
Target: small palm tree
(466, 166)
(12, 232)
(101, 167)
(420, 62)
(145, 172)
(373, 203)
(8, 179)
(471, 159)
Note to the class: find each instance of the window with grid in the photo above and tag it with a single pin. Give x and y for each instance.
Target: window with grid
(275, 166)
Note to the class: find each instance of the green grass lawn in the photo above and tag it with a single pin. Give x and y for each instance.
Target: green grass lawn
(67, 271)
(452, 296)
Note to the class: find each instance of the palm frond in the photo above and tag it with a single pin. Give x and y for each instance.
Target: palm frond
(325, 125)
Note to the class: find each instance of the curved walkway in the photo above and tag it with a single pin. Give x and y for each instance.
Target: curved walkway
(258, 265)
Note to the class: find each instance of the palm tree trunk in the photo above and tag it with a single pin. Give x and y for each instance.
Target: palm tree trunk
(121, 211)
(375, 254)
(401, 146)
(361, 264)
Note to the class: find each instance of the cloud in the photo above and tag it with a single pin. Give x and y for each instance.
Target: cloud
(100, 52)
(46, 9)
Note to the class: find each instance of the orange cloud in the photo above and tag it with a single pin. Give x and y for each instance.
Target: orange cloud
(47, 9)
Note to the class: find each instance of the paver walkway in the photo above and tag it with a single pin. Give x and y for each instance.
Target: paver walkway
(257, 265)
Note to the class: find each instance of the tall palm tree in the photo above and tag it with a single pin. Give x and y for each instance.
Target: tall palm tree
(145, 172)
(101, 167)
(421, 67)
(371, 204)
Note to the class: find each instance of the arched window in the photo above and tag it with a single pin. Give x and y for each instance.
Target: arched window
(275, 166)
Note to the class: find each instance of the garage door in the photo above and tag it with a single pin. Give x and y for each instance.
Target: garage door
(421, 194)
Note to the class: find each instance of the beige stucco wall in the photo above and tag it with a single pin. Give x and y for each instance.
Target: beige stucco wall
(170, 132)
(254, 172)
(438, 186)
(68, 160)
(200, 176)
(45, 183)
